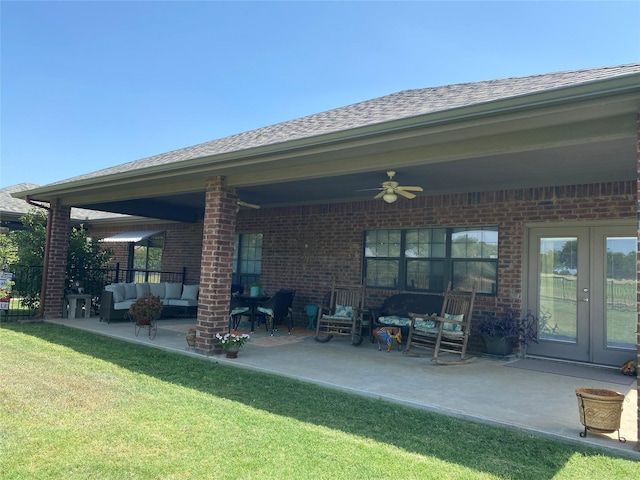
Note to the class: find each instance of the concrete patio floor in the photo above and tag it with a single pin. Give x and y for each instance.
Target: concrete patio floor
(482, 391)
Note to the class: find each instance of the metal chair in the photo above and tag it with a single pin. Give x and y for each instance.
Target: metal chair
(445, 333)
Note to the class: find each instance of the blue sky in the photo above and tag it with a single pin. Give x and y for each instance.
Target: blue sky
(88, 85)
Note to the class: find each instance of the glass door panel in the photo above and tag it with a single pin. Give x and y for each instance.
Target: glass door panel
(582, 286)
(559, 292)
(558, 260)
(620, 292)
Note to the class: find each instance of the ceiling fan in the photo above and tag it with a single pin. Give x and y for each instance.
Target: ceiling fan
(248, 205)
(391, 189)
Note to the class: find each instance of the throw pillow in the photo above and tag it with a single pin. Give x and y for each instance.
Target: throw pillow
(129, 290)
(345, 311)
(157, 289)
(453, 327)
(190, 292)
(118, 291)
(142, 289)
(173, 290)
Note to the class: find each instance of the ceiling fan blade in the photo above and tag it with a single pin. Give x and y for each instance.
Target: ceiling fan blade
(405, 194)
(369, 189)
(248, 205)
(380, 195)
(411, 189)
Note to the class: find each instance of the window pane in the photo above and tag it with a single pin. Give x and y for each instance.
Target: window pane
(425, 243)
(474, 242)
(425, 275)
(249, 258)
(382, 273)
(484, 274)
(382, 243)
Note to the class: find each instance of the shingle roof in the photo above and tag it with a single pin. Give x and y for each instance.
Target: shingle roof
(404, 104)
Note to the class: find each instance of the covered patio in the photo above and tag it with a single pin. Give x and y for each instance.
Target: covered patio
(485, 390)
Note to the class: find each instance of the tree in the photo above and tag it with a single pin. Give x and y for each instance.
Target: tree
(8, 252)
(86, 258)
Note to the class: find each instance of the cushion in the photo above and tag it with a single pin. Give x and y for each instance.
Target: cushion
(182, 302)
(129, 290)
(424, 324)
(453, 327)
(266, 311)
(239, 310)
(394, 320)
(157, 289)
(173, 290)
(142, 289)
(345, 311)
(118, 291)
(190, 292)
(124, 305)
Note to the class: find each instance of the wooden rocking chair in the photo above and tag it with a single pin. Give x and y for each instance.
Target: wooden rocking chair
(343, 315)
(445, 333)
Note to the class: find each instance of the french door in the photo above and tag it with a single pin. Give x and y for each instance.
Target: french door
(582, 288)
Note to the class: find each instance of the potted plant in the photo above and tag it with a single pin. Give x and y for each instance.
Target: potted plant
(232, 342)
(146, 309)
(502, 333)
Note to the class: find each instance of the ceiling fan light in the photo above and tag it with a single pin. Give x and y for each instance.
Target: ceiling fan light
(389, 197)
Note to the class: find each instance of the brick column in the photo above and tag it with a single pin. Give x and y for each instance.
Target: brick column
(218, 239)
(55, 261)
(638, 270)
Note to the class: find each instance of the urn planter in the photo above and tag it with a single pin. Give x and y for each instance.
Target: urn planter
(600, 410)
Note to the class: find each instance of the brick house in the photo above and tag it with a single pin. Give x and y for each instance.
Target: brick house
(530, 186)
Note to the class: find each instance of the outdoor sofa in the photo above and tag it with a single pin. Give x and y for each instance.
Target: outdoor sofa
(177, 299)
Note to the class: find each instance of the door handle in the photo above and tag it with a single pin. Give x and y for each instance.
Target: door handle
(585, 299)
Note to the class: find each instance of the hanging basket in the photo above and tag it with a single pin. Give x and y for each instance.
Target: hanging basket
(600, 410)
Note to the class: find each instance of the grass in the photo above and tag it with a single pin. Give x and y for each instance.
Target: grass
(75, 405)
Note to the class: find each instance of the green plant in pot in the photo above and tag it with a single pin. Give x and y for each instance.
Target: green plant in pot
(502, 333)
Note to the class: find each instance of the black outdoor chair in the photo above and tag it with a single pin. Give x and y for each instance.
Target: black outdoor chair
(237, 308)
(278, 308)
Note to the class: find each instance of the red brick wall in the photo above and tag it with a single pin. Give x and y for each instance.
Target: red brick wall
(303, 247)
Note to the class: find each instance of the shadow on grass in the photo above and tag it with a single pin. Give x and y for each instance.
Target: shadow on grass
(477, 446)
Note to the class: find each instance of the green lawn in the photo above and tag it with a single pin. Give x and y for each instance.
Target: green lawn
(75, 405)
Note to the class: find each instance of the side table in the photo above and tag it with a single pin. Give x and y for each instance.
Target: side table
(74, 305)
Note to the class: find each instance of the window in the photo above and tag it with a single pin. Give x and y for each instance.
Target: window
(145, 258)
(247, 258)
(426, 259)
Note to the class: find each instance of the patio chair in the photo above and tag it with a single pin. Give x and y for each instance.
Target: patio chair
(343, 314)
(237, 308)
(278, 308)
(445, 333)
